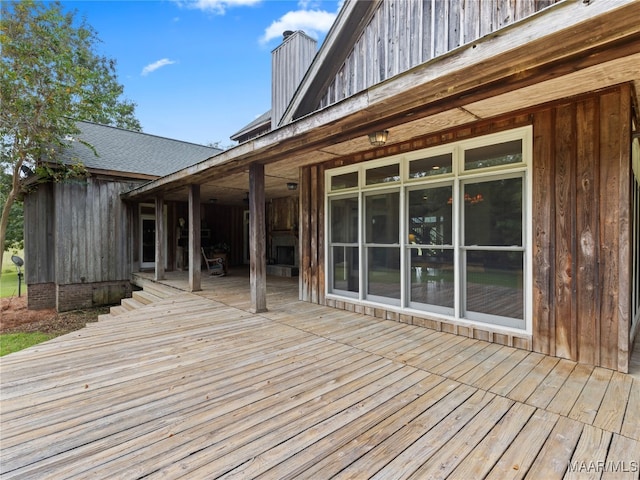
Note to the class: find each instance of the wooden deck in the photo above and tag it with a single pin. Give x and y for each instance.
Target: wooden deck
(195, 386)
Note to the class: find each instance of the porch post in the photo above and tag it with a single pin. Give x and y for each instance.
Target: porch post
(257, 249)
(195, 274)
(159, 271)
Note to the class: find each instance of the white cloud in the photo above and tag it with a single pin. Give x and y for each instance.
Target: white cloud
(152, 67)
(312, 22)
(216, 6)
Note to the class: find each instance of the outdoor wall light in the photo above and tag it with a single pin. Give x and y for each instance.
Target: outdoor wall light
(292, 186)
(377, 139)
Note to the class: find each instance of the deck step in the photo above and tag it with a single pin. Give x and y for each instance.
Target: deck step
(117, 310)
(131, 304)
(103, 317)
(159, 290)
(145, 297)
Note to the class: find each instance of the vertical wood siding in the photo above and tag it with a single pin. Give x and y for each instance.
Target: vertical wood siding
(581, 175)
(406, 33)
(39, 242)
(91, 227)
(289, 63)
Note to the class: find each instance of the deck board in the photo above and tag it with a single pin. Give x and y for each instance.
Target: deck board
(195, 385)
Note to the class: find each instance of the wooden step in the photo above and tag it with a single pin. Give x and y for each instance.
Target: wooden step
(117, 310)
(131, 304)
(104, 316)
(159, 290)
(145, 297)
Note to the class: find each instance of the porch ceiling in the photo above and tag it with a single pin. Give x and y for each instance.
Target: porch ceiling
(522, 67)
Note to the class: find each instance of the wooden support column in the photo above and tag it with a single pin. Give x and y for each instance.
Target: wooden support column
(160, 239)
(195, 274)
(257, 248)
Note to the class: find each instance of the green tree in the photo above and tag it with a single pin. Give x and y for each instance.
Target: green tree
(50, 77)
(15, 228)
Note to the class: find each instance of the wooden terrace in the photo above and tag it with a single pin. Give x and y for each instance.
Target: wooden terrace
(193, 385)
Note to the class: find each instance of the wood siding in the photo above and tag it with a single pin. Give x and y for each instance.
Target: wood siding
(581, 228)
(289, 62)
(91, 225)
(386, 48)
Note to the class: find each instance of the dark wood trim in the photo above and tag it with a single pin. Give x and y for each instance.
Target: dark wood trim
(305, 229)
(543, 172)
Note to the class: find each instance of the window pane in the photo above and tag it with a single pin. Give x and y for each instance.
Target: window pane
(345, 268)
(383, 272)
(382, 213)
(495, 283)
(344, 220)
(430, 216)
(426, 167)
(347, 180)
(492, 155)
(431, 276)
(493, 213)
(388, 173)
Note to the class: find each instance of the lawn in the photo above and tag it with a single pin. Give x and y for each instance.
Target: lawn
(13, 342)
(9, 278)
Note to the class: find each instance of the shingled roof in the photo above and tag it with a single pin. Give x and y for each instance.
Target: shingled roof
(127, 151)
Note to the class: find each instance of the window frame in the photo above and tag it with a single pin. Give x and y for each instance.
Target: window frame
(457, 178)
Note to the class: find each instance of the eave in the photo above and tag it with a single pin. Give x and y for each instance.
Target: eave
(591, 46)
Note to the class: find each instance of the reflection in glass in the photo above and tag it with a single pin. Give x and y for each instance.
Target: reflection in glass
(346, 180)
(430, 216)
(493, 213)
(381, 216)
(345, 268)
(383, 271)
(344, 220)
(386, 174)
(493, 155)
(432, 276)
(495, 283)
(148, 240)
(430, 166)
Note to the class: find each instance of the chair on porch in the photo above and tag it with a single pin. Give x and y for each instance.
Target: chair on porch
(215, 266)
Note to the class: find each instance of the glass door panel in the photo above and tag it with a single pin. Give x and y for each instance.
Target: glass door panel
(148, 242)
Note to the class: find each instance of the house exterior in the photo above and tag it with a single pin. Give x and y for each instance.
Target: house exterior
(471, 167)
(81, 240)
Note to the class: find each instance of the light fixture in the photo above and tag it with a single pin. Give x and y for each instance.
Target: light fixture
(292, 186)
(377, 139)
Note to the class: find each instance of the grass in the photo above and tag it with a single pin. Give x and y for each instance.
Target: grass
(13, 342)
(9, 278)
(9, 284)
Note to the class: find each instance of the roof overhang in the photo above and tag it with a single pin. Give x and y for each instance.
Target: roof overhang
(567, 50)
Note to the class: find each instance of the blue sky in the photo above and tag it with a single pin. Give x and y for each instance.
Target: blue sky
(199, 70)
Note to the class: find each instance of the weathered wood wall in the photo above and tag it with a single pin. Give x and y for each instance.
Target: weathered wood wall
(581, 232)
(90, 225)
(289, 63)
(311, 236)
(406, 33)
(581, 229)
(39, 240)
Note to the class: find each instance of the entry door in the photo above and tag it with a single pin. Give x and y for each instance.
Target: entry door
(148, 243)
(148, 236)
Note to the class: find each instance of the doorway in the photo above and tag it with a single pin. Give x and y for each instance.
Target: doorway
(148, 236)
